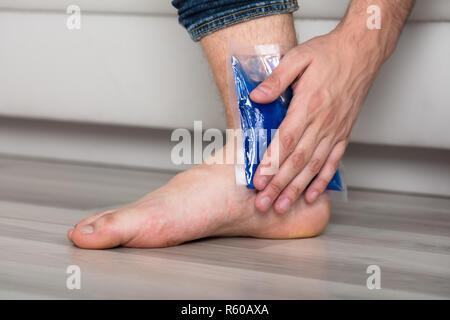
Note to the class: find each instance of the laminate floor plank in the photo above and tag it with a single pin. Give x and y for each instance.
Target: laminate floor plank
(408, 237)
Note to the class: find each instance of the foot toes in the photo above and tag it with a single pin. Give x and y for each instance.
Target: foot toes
(104, 232)
(87, 220)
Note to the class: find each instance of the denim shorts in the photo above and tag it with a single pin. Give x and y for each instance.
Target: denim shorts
(202, 17)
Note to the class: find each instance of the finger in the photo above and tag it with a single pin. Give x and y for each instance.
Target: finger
(290, 168)
(296, 187)
(282, 145)
(327, 172)
(290, 67)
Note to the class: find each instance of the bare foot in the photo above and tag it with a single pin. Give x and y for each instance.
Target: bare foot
(201, 202)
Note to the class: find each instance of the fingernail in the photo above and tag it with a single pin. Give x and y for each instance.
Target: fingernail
(284, 204)
(262, 90)
(265, 203)
(314, 195)
(86, 229)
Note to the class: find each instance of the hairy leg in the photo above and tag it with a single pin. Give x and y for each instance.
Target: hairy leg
(276, 29)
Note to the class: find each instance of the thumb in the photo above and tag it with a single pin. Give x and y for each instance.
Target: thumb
(291, 66)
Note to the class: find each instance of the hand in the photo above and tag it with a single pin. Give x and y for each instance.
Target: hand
(330, 76)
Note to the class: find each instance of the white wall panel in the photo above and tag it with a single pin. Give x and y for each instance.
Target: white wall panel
(425, 10)
(130, 70)
(145, 71)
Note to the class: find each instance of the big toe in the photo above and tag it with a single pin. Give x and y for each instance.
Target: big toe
(87, 220)
(102, 233)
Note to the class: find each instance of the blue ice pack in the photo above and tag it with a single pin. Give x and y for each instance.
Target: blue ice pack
(258, 121)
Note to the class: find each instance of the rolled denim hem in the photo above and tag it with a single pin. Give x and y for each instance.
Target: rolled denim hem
(237, 15)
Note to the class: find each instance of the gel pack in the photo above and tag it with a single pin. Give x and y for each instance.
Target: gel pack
(259, 121)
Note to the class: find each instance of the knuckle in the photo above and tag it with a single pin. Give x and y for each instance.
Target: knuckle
(335, 165)
(315, 165)
(344, 130)
(293, 192)
(320, 98)
(322, 183)
(274, 82)
(288, 142)
(298, 160)
(299, 51)
(347, 135)
(275, 188)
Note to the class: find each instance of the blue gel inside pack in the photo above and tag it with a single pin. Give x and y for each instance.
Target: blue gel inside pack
(259, 120)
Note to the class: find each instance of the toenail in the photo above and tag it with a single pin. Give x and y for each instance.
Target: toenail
(86, 229)
(284, 204)
(265, 203)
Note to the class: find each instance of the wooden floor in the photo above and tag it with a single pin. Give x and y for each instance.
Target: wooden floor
(407, 237)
